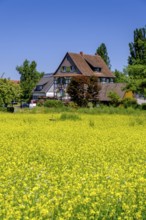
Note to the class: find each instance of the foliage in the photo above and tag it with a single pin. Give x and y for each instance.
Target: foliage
(138, 48)
(143, 106)
(137, 62)
(9, 92)
(29, 78)
(69, 116)
(40, 102)
(83, 89)
(92, 168)
(10, 109)
(72, 105)
(129, 102)
(114, 98)
(53, 104)
(121, 77)
(102, 51)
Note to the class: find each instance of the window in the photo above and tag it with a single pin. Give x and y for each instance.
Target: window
(97, 69)
(111, 80)
(61, 80)
(68, 69)
(107, 80)
(72, 68)
(103, 80)
(39, 88)
(63, 69)
(67, 80)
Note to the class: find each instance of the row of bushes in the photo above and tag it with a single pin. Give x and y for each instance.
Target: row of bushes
(126, 103)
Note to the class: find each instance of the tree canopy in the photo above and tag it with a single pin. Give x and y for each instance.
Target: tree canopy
(137, 62)
(138, 48)
(102, 51)
(29, 78)
(120, 77)
(83, 90)
(9, 92)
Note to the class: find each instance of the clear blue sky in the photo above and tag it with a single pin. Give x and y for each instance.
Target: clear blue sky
(44, 30)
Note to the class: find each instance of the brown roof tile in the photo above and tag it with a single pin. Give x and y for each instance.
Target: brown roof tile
(106, 88)
(81, 64)
(97, 61)
(84, 62)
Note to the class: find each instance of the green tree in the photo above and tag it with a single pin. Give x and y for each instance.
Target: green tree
(9, 92)
(121, 77)
(29, 78)
(83, 90)
(114, 98)
(102, 51)
(138, 48)
(137, 62)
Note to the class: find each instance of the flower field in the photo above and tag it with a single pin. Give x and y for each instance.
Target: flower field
(93, 167)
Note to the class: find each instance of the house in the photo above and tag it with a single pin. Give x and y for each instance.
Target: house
(79, 64)
(44, 88)
(74, 64)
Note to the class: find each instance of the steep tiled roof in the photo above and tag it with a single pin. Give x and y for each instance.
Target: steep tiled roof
(106, 88)
(97, 61)
(81, 64)
(48, 84)
(84, 64)
(46, 81)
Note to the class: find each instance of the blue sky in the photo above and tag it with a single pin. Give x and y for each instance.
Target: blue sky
(44, 30)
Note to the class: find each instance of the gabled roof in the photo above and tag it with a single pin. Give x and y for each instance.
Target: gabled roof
(46, 81)
(106, 88)
(97, 61)
(81, 64)
(84, 62)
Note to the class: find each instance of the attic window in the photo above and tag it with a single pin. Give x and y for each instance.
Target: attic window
(39, 88)
(72, 69)
(97, 69)
(63, 69)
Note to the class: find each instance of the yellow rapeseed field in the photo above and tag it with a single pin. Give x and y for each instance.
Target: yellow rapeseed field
(92, 168)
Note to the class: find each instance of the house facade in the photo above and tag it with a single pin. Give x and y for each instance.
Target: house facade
(81, 64)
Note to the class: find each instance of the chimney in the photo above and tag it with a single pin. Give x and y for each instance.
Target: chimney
(81, 53)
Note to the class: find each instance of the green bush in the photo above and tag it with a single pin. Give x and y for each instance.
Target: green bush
(143, 106)
(73, 117)
(40, 102)
(10, 109)
(129, 102)
(3, 109)
(72, 105)
(53, 104)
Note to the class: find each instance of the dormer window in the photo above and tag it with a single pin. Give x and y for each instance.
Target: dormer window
(39, 88)
(97, 69)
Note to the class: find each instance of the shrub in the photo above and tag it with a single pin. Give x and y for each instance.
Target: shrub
(3, 109)
(73, 117)
(143, 106)
(10, 109)
(53, 104)
(114, 98)
(40, 102)
(129, 102)
(72, 105)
